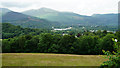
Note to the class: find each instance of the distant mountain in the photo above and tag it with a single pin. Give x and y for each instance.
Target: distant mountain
(26, 20)
(4, 11)
(66, 18)
(106, 19)
(46, 18)
(69, 18)
(40, 12)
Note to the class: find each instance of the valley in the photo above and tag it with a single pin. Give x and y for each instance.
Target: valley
(47, 37)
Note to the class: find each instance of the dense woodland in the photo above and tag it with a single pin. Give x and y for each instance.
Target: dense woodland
(26, 40)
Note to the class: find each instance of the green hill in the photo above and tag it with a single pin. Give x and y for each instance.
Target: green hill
(70, 18)
(4, 11)
(23, 20)
(106, 19)
(46, 18)
(65, 18)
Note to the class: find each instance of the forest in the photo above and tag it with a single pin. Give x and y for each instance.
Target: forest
(16, 39)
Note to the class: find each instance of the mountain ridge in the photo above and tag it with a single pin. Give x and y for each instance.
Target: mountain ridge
(68, 18)
(23, 20)
(47, 17)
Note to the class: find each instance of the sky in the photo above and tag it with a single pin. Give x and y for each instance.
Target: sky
(83, 7)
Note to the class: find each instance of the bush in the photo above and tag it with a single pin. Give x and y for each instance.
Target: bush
(114, 57)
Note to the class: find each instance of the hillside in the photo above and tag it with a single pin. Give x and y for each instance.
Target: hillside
(10, 31)
(23, 20)
(46, 18)
(70, 18)
(65, 18)
(4, 11)
(106, 19)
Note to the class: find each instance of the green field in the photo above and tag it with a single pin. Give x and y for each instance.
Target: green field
(45, 59)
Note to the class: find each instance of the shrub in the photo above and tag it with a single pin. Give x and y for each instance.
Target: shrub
(114, 57)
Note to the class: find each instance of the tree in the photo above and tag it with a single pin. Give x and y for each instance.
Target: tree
(87, 44)
(66, 44)
(106, 43)
(114, 57)
(46, 40)
(5, 46)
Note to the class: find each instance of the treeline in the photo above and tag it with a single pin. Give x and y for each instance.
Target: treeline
(25, 40)
(57, 43)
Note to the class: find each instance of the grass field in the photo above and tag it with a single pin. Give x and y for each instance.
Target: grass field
(42, 59)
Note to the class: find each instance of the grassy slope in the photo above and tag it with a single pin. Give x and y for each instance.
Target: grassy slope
(41, 59)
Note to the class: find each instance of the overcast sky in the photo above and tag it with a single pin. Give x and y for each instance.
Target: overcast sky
(83, 7)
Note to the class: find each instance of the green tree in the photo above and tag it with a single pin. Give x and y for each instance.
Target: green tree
(46, 40)
(66, 43)
(106, 43)
(114, 57)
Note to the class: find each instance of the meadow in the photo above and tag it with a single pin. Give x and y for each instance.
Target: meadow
(49, 59)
